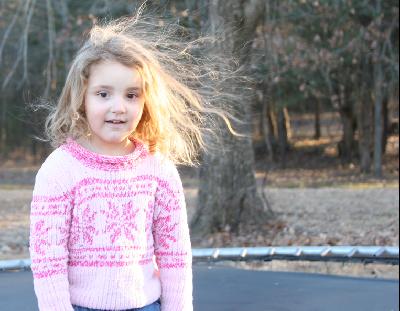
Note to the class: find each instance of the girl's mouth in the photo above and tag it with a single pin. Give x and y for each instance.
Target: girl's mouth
(115, 121)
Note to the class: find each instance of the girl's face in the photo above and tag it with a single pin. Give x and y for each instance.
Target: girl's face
(114, 104)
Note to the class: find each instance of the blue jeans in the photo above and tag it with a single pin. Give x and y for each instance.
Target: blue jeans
(155, 306)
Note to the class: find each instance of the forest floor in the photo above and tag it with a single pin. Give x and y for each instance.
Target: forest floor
(316, 200)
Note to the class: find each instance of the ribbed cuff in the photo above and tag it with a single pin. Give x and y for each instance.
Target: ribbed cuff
(177, 289)
(53, 293)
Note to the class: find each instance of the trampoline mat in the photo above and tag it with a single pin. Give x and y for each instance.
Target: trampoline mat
(220, 288)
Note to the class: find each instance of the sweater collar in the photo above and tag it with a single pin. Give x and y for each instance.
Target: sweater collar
(105, 162)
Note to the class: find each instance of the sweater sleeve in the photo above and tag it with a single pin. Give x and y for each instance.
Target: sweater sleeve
(172, 245)
(50, 219)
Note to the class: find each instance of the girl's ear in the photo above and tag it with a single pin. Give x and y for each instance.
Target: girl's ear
(82, 110)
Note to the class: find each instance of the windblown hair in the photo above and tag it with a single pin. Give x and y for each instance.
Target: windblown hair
(181, 86)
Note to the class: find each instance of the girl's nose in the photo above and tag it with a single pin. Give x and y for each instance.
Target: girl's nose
(118, 105)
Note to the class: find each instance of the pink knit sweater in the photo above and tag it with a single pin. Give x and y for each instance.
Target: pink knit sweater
(109, 232)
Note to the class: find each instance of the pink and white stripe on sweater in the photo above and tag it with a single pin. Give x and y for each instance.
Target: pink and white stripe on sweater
(109, 232)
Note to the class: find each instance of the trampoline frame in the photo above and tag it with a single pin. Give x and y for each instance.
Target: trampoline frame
(364, 254)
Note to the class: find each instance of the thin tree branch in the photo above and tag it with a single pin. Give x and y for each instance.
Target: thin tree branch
(9, 29)
(28, 12)
(51, 36)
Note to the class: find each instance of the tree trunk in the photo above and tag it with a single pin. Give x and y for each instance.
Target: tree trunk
(378, 120)
(191, 6)
(228, 198)
(273, 125)
(365, 130)
(2, 136)
(282, 134)
(346, 145)
(267, 128)
(3, 126)
(317, 120)
(385, 116)
(378, 92)
(288, 128)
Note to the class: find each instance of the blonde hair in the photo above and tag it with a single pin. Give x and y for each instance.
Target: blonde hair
(180, 88)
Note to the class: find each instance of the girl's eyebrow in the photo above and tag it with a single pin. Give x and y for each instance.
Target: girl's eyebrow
(134, 88)
(108, 87)
(102, 87)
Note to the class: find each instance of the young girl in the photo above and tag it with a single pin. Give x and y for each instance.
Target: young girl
(109, 225)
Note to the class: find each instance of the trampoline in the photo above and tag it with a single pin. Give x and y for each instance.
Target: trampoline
(223, 288)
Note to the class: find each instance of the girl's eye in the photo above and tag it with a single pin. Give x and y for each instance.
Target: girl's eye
(132, 95)
(102, 94)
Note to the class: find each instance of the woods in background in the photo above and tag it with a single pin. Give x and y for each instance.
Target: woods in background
(296, 56)
(307, 56)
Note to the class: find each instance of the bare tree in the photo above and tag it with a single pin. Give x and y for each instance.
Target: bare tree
(228, 196)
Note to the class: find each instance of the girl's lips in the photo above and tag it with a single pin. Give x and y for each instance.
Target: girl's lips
(116, 122)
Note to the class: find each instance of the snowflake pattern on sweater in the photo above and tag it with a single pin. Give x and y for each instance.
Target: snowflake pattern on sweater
(109, 232)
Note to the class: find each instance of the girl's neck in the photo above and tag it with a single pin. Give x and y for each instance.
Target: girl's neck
(125, 148)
